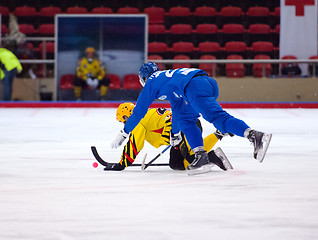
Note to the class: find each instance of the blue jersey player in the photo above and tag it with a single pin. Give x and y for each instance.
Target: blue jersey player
(191, 92)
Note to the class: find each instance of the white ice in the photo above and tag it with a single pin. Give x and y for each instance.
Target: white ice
(50, 191)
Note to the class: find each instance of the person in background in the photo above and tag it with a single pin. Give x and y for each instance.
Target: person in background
(9, 67)
(155, 129)
(90, 73)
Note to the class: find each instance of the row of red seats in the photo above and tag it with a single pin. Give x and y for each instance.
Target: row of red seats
(236, 70)
(183, 32)
(214, 48)
(44, 30)
(210, 32)
(130, 81)
(202, 14)
(232, 69)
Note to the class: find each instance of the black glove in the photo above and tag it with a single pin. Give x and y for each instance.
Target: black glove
(114, 167)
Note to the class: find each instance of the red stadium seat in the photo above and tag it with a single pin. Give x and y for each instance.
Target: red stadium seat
(206, 32)
(47, 14)
(114, 81)
(131, 81)
(49, 50)
(233, 32)
(181, 65)
(209, 48)
(234, 70)
(177, 15)
(156, 15)
(208, 67)
(4, 29)
(102, 10)
(204, 15)
(236, 48)
(27, 29)
(257, 15)
(158, 48)
(46, 30)
(157, 57)
(266, 48)
(76, 10)
(259, 32)
(258, 67)
(50, 11)
(67, 81)
(180, 32)
(4, 11)
(27, 15)
(25, 11)
(230, 15)
(182, 48)
(156, 33)
(128, 10)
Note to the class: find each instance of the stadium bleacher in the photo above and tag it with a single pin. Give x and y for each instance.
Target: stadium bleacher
(173, 24)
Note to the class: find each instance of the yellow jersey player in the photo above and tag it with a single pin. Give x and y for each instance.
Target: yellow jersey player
(155, 128)
(90, 73)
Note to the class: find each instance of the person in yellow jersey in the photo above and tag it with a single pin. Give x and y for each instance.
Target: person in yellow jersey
(9, 66)
(90, 73)
(155, 128)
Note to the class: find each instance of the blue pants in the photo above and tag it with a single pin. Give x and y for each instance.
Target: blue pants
(7, 82)
(201, 93)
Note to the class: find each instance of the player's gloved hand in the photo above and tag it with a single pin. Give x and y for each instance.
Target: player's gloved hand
(119, 139)
(114, 167)
(220, 135)
(175, 139)
(92, 82)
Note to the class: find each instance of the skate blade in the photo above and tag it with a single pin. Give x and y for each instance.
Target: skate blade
(204, 169)
(266, 139)
(219, 152)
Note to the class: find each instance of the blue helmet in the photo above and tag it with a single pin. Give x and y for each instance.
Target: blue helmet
(145, 71)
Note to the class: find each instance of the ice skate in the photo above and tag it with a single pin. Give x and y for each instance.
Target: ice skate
(260, 142)
(200, 163)
(218, 158)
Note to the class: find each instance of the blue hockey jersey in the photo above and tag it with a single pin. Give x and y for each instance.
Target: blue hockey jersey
(164, 85)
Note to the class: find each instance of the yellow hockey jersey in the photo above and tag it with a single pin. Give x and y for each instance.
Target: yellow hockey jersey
(155, 129)
(85, 67)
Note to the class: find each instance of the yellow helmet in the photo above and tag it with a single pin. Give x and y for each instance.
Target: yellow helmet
(124, 109)
(89, 50)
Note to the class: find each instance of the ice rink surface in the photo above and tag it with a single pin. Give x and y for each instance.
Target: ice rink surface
(50, 191)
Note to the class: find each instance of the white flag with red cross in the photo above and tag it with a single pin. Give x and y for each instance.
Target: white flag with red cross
(298, 30)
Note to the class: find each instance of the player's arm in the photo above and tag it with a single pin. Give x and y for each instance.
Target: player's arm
(144, 100)
(132, 148)
(80, 70)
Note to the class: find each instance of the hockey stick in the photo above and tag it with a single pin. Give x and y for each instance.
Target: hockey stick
(104, 163)
(150, 163)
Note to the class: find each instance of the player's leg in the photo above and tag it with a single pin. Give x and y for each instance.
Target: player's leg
(185, 116)
(78, 88)
(202, 93)
(104, 83)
